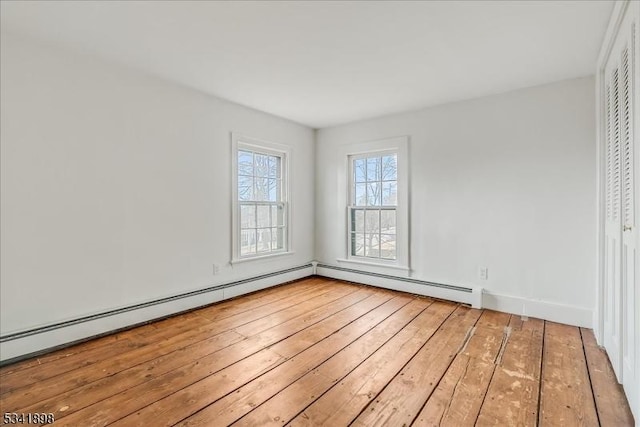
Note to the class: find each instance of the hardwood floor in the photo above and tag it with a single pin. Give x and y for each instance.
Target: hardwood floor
(324, 352)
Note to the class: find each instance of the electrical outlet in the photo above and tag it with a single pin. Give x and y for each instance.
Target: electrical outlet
(216, 269)
(483, 273)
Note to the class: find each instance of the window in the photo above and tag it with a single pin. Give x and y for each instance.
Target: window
(376, 184)
(373, 206)
(260, 208)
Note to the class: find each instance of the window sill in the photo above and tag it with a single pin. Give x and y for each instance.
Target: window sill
(374, 264)
(260, 257)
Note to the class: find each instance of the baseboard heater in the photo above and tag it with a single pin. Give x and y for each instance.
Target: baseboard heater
(462, 294)
(175, 304)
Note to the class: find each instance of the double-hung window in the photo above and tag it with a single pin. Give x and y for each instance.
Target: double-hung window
(260, 208)
(373, 206)
(377, 184)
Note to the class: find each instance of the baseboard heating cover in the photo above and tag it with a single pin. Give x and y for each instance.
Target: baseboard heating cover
(462, 294)
(34, 341)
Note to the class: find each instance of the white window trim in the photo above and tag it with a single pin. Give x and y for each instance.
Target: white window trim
(399, 145)
(361, 261)
(239, 141)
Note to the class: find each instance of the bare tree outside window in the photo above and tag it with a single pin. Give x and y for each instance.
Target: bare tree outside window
(372, 213)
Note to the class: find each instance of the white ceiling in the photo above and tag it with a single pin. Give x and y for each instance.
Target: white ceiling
(326, 63)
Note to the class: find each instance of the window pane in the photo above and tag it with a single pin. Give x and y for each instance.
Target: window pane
(374, 198)
(388, 246)
(261, 163)
(245, 188)
(372, 245)
(273, 190)
(389, 193)
(261, 189)
(264, 220)
(274, 167)
(360, 170)
(264, 240)
(248, 216)
(388, 221)
(248, 242)
(389, 168)
(357, 244)
(373, 169)
(360, 195)
(277, 215)
(277, 239)
(245, 163)
(372, 221)
(357, 220)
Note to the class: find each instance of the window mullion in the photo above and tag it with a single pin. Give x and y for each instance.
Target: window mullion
(255, 230)
(380, 230)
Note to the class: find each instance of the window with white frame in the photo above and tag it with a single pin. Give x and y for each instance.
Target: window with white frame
(373, 206)
(376, 180)
(260, 209)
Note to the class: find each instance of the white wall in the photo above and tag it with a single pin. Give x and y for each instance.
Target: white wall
(116, 186)
(506, 182)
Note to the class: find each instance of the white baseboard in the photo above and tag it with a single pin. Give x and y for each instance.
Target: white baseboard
(33, 342)
(596, 328)
(561, 313)
(276, 279)
(37, 342)
(471, 296)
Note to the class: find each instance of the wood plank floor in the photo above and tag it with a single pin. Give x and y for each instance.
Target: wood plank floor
(325, 352)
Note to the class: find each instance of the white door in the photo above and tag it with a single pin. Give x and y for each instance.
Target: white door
(612, 294)
(629, 69)
(621, 291)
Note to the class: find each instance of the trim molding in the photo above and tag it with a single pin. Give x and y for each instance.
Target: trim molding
(31, 342)
(465, 295)
(561, 313)
(475, 296)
